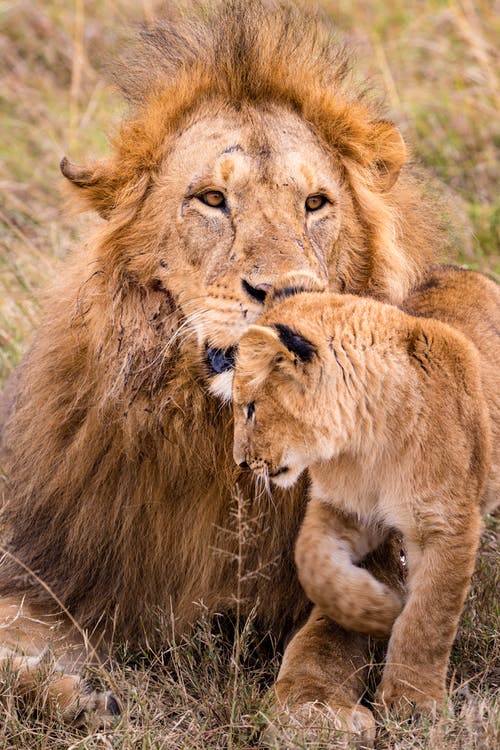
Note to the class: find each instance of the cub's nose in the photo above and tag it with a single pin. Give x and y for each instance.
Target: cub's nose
(239, 455)
(258, 292)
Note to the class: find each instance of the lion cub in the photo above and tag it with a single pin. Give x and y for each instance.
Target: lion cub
(389, 414)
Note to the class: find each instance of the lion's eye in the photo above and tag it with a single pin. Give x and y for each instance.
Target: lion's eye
(315, 202)
(213, 198)
(251, 411)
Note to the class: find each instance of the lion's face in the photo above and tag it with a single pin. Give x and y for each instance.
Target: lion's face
(247, 159)
(251, 201)
(231, 204)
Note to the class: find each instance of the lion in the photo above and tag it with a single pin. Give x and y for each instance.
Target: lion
(395, 417)
(247, 154)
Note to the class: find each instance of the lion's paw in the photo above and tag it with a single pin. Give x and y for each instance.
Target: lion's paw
(102, 710)
(79, 704)
(319, 725)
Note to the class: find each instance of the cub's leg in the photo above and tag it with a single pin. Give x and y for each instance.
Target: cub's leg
(423, 634)
(319, 685)
(328, 546)
(40, 647)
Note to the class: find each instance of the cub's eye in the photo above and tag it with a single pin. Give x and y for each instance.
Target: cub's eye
(213, 198)
(251, 412)
(315, 202)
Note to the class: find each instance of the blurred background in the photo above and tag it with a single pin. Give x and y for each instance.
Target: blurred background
(435, 62)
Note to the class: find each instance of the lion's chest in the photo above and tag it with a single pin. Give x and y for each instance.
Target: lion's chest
(235, 552)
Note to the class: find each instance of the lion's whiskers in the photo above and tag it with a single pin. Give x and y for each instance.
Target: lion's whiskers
(187, 325)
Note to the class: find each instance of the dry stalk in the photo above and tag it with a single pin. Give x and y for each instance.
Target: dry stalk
(76, 72)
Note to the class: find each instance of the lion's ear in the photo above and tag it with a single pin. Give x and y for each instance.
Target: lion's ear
(95, 187)
(389, 151)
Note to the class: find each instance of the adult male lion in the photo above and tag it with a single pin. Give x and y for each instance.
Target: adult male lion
(247, 157)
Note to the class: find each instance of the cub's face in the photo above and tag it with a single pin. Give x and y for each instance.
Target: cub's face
(277, 394)
(251, 200)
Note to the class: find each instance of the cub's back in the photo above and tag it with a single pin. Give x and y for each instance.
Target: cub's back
(470, 302)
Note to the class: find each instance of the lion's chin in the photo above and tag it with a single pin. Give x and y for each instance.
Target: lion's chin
(219, 364)
(221, 385)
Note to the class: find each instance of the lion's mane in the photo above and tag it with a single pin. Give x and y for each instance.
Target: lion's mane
(121, 487)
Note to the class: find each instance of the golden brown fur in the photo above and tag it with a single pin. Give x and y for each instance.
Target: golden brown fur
(396, 418)
(121, 482)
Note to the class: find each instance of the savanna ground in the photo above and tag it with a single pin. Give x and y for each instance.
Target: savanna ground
(436, 62)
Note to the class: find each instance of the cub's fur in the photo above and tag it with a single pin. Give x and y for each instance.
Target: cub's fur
(395, 417)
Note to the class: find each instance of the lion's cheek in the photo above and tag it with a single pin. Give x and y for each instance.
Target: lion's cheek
(206, 243)
(323, 236)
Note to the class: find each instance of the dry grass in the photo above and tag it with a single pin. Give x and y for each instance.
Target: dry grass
(436, 62)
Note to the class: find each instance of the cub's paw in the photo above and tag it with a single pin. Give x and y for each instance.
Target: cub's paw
(79, 704)
(318, 725)
(401, 697)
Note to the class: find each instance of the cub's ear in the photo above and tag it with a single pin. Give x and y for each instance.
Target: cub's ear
(295, 343)
(257, 351)
(390, 153)
(264, 348)
(94, 185)
(262, 338)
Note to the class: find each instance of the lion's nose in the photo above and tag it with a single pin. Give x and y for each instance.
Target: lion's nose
(258, 292)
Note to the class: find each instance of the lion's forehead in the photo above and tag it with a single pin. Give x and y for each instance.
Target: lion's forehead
(275, 149)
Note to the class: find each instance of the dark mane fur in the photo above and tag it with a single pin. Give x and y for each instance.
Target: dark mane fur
(251, 48)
